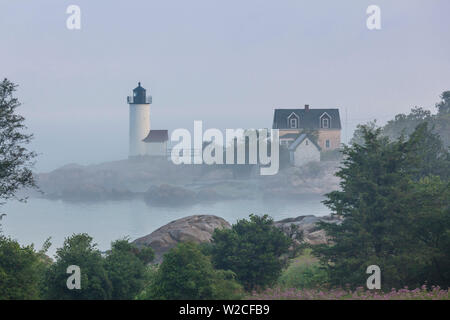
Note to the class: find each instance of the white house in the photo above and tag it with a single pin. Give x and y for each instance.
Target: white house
(303, 150)
(156, 143)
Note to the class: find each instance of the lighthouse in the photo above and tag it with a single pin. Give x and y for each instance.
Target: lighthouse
(139, 104)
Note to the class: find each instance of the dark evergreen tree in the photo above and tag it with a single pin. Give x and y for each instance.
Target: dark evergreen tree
(383, 214)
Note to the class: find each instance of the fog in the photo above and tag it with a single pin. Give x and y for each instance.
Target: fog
(228, 63)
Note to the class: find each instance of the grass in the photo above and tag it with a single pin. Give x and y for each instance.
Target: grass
(303, 273)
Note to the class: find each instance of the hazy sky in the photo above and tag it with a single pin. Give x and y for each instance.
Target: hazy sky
(228, 63)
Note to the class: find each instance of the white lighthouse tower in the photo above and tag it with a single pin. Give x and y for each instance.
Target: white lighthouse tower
(139, 120)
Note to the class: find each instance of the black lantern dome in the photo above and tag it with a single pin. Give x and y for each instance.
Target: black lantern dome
(139, 96)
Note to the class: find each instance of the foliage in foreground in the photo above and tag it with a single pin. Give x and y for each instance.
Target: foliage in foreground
(16, 160)
(186, 273)
(252, 249)
(81, 251)
(435, 293)
(394, 199)
(21, 270)
(121, 275)
(126, 266)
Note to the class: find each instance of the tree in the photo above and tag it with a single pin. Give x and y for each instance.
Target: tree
(430, 225)
(44, 263)
(442, 119)
(252, 249)
(15, 159)
(358, 134)
(19, 271)
(406, 123)
(426, 153)
(444, 106)
(384, 213)
(126, 268)
(79, 250)
(186, 273)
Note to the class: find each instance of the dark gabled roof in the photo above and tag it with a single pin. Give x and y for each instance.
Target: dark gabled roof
(157, 136)
(300, 139)
(308, 119)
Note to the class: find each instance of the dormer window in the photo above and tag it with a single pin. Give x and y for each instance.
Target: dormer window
(325, 121)
(293, 123)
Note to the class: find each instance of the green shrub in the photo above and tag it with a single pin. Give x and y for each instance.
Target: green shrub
(126, 268)
(253, 250)
(151, 272)
(20, 271)
(79, 250)
(186, 273)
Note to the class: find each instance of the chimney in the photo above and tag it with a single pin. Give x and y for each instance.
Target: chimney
(306, 107)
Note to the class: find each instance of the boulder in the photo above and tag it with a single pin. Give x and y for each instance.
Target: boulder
(198, 228)
(307, 224)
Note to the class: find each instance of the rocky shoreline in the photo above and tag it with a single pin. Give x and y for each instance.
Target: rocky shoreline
(160, 183)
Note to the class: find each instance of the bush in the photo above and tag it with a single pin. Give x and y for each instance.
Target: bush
(79, 250)
(20, 271)
(186, 273)
(126, 268)
(252, 249)
(151, 271)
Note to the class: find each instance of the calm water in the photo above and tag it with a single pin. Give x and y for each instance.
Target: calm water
(38, 219)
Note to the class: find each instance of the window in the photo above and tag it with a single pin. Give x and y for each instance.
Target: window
(306, 142)
(293, 123)
(327, 144)
(325, 123)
